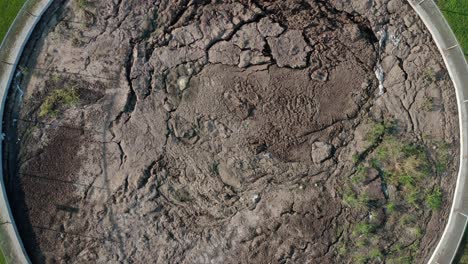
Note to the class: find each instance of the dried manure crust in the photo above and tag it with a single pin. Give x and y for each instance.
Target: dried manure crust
(237, 132)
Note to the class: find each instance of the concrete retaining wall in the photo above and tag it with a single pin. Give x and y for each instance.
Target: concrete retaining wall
(10, 52)
(457, 67)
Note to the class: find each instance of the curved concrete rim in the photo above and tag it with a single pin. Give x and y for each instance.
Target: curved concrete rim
(11, 50)
(457, 67)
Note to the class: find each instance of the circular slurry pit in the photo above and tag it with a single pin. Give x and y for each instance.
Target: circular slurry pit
(231, 132)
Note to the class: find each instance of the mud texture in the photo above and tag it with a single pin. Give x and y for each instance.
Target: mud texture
(231, 132)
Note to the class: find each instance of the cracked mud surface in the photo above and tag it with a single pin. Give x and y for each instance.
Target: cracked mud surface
(211, 132)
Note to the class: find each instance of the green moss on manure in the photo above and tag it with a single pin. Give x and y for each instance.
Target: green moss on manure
(58, 99)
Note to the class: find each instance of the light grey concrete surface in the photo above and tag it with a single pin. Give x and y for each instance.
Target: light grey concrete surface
(457, 67)
(10, 52)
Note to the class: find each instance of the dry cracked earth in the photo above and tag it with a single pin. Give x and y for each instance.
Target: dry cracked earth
(197, 131)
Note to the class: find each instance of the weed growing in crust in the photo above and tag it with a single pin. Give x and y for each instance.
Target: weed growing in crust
(24, 70)
(55, 78)
(361, 259)
(350, 199)
(356, 158)
(391, 207)
(58, 99)
(363, 199)
(440, 167)
(82, 4)
(406, 219)
(360, 174)
(401, 260)
(441, 153)
(428, 104)
(434, 199)
(355, 201)
(404, 164)
(362, 242)
(364, 229)
(429, 75)
(342, 250)
(214, 168)
(375, 253)
(417, 232)
(397, 255)
(442, 156)
(182, 195)
(404, 167)
(377, 130)
(412, 198)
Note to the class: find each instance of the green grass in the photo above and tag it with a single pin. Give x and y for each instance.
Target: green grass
(2, 258)
(456, 13)
(462, 254)
(8, 11)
